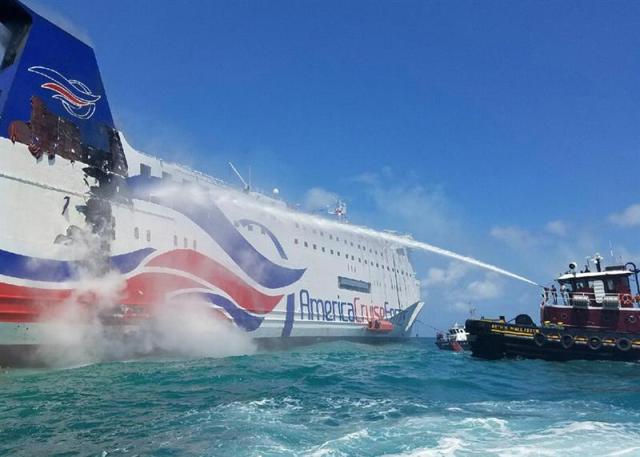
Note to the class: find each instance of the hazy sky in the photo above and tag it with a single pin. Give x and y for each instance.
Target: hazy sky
(509, 131)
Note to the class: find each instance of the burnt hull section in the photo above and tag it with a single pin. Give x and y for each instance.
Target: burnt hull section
(491, 339)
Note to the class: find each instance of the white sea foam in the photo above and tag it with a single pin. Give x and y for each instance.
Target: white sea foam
(491, 436)
(331, 447)
(447, 446)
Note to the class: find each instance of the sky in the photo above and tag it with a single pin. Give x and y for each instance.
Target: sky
(507, 131)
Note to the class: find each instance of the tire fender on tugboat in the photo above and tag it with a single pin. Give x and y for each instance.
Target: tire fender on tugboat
(623, 344)
(595, 343)
(567, 341)
(539, 339)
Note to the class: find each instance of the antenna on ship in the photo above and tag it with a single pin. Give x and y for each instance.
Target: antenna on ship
(340, 210)
(613, 257)
(246, 187)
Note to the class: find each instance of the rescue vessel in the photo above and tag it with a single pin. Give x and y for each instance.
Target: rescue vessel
(591, 315)
(456, 339)
(77, 200)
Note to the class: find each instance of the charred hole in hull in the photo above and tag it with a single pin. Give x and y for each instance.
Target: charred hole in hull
(50, 134)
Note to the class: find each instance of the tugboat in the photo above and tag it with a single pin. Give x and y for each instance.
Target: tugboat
(455, 340)
(591, 315)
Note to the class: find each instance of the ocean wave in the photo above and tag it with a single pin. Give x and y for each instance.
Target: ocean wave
(265, 405)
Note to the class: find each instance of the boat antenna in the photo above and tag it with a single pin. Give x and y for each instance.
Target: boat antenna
(472, 310)
(245, 186)
(613, 258)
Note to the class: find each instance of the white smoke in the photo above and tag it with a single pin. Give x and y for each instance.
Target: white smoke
(80, 333)
(188, 328)
(91, 326)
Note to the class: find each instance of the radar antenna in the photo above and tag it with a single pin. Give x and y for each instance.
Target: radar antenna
(340, 210)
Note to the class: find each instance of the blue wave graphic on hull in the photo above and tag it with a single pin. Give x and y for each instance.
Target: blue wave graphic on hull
(213, 221)
(269, 233)
(240, 317)
(32, 268)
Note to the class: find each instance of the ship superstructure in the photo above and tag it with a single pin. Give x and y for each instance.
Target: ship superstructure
(78, 200)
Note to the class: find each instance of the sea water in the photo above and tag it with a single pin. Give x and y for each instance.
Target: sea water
(327, 399)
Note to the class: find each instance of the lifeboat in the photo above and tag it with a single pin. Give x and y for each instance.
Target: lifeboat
(379, 326)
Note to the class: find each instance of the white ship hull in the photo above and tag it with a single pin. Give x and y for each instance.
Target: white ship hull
(92, 229)
(311, 255)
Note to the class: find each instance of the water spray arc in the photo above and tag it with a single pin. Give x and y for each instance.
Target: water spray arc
(470, 260)
(386, 236)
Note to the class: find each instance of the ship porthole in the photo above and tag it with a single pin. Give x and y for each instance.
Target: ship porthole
(623, 344)
(632, 319)
(595, 343)
(564, 317)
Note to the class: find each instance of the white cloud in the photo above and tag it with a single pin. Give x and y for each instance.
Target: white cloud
(462, 307)
(318, 198)
(367, 178)
(485, 289)
(515, 237)
(458, 288)
(630, 217)
(426, 212)
(451, 279)
(556, 227)
(445, 276)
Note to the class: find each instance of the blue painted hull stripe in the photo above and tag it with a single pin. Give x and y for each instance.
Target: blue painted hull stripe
(25, 267)
(288, 323)
(239, 316)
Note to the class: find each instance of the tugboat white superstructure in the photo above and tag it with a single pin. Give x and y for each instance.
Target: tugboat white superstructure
(68, 176)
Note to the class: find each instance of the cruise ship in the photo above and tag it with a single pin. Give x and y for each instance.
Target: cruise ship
(80, 202)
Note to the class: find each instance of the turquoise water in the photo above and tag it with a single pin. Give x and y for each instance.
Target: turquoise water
(330, 399)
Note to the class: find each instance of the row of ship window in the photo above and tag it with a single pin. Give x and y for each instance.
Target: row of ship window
(347, 256)
(346, 242)
(185, 241)
(331, 251)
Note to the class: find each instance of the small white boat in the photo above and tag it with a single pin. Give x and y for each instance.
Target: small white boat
(455, 340)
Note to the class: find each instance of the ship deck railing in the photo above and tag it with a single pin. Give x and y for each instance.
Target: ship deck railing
(590, 299)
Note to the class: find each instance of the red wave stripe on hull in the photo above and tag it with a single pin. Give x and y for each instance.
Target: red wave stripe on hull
(68, 96)
(150, 289)
(214, 273)
(147, 289)
(26, 304)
